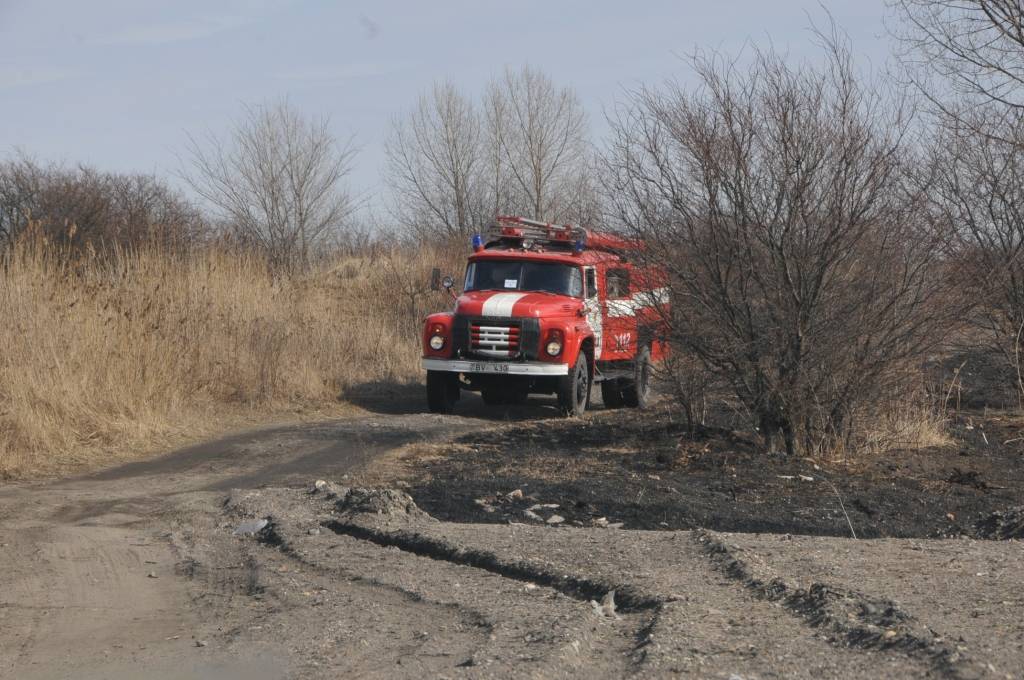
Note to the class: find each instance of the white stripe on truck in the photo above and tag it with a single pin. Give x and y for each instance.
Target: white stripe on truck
(501, 304)
(631, 305)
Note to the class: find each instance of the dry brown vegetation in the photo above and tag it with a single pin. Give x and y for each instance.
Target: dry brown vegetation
(108, 353)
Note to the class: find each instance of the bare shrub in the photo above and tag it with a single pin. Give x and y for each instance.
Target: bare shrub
(276, 179)
(689, 383)
(777, 200)
(82, 206)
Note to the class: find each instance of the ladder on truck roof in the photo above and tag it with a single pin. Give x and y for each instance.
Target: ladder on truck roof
(511, 228)
(507, 227)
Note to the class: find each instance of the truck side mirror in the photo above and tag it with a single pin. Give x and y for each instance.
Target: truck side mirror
(447, 282)
(435, 279)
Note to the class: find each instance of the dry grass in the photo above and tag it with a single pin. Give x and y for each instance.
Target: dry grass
(907, 426)
(919, 419)
(916, 418)
(103, 356)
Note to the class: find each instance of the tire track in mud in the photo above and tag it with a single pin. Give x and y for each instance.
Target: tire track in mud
(628, 598)
(518, 620)
(857, 620)
(660, 611)
(320, 619)
(272, 537)
(851, 621)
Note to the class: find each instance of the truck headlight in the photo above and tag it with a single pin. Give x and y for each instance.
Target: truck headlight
(553, 348)
(436, 342)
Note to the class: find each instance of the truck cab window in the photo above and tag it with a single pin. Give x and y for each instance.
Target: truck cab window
(591, 275)
(617, 283)
(524, 275)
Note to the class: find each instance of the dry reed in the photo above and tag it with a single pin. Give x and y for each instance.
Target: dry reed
(108, 353)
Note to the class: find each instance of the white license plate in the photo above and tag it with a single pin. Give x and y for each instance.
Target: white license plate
(484, 367)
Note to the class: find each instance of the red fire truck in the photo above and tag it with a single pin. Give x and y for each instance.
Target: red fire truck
(548, 309)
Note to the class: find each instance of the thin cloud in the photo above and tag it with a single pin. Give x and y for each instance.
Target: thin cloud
(11, 77)
(340, 72)
(171, 32)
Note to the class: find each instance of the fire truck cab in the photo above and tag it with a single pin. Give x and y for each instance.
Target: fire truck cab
(548, 309)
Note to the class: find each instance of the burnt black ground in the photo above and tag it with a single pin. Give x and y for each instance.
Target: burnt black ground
(645, 471)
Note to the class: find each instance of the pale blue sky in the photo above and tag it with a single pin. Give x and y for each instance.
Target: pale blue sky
(117, 83)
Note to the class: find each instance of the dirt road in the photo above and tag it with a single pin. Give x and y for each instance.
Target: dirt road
(139, 571)
(91, 580)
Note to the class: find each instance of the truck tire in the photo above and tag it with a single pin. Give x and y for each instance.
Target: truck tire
(636, 393)
(611, 393)
(442, 391)
(574, 389)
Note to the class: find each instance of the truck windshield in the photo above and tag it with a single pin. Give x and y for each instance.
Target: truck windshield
(548, 277)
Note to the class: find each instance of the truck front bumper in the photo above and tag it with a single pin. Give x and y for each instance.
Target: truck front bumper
(496, 367)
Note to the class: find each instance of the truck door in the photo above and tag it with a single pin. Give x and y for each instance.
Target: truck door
(620, 324)
(593, 307)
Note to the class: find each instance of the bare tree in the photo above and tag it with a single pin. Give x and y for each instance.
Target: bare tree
(277, 178)
(967, 58)
(538, 135)
(453, 164)
(976, 191)
(967, 50)
(504, 198)
(777, 201)
(436, 165)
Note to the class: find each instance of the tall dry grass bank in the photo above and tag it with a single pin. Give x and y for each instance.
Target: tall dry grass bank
(102, 357)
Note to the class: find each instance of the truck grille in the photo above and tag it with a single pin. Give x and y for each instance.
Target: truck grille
(494, 339)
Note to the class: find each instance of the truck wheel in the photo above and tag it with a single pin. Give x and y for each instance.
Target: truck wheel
(637, 392)
(574, 389)
(442, 391)
(611, 393)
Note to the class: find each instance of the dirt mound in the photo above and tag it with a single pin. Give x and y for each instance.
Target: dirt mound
(1002, 525)
(377, 501)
